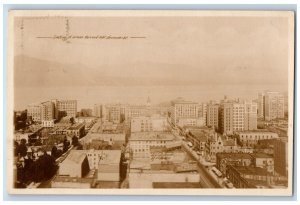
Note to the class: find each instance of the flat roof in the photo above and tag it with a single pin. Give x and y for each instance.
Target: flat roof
(107, 156)
(152, 136)
(234, 155)
(76, 126)
(257, 131)
(174, 185)
(249, 170)
(75, 156)
(261, 155)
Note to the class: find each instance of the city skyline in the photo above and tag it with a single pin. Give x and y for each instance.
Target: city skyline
(221, 54)
(158, 100)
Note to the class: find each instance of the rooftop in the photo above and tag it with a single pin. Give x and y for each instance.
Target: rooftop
(234, 155)
(107, 156)
(256, 131)
(72, 179)
(261, 155)
(173, 185)
(141, 136)
(249, 170)
(75, 157)
(199, 134)
(182, 101)
(76, 126)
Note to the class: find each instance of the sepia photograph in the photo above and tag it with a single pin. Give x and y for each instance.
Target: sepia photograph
(150, 102)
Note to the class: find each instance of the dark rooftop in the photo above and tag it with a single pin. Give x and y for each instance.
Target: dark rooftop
(174, 185)
(234, 155)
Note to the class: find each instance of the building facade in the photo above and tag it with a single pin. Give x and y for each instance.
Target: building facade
(251, 138)
(183, 112)
(212, 118)
(250, 116)
(149, 124)
(67, 107)
(98, 110)
(274, 105)
(141, 142)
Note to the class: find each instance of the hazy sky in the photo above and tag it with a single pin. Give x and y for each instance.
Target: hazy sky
(176, 50)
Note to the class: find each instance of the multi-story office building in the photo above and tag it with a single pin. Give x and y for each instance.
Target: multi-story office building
(274, 105)
(149, 124)
(183, 112)
(112, 112)
(250, 116)
(68, 107)
(34, 112)
(141, 142)
(212, 119)
(238, 116)
(41, 111)
(225, 118)
(260, 105)
(47, 111)
(98, 110)
(235, 116)
(202, 114)
(50, 110)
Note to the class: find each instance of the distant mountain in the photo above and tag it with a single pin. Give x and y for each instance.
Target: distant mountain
(36, 72)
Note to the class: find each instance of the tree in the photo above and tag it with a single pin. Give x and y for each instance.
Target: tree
(72, 120)
(74, 140)
(22, 148)
(66, 144)
(54, 152)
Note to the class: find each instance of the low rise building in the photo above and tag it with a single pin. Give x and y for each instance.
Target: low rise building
(249, 177)
(264, 161)
(149, 124)
(251, 138)
(87, 182)
(217, 144)
(77, 130)
(199, 137)
(140, 142)
(236, 159)
(109, 165)
(76, 164)
(47, 123)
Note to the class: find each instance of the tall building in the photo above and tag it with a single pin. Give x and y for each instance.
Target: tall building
(260, 105)
(112, 112)
(183, 112)
(98, 110)
(68, 107)
(202, 113)
(274, 105)
(212, 118)
(34, 112)
(41, 111)
(235, 116)
(47, 111)
(250, 116)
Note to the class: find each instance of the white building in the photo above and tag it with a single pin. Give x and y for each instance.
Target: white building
(184, 112)
(149, 124)
(140, 142)
(250, 138)
(47, 123)
(274, 105)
